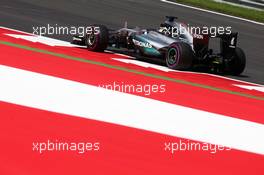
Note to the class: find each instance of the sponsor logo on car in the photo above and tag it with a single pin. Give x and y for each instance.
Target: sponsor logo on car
(142, 44)
(198, 36)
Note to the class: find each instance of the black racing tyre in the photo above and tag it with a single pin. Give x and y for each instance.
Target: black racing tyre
(179, 56)
(97, 40)
(238, 62)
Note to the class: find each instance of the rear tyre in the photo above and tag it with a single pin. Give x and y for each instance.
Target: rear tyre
(179, 56)
(238, 62)
(97, 40)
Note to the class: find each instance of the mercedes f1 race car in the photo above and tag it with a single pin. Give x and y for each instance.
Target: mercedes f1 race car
(180, 51)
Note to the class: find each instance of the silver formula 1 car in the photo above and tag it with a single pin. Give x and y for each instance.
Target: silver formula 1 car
(180, 51)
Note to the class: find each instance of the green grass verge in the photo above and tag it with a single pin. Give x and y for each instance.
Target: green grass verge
(251, 14)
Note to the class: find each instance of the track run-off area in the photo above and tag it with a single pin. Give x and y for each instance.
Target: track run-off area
(53, 90)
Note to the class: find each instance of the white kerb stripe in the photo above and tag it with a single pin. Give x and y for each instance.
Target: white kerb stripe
(73, 98)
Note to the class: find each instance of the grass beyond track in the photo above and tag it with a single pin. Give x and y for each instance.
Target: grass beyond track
(256, 15)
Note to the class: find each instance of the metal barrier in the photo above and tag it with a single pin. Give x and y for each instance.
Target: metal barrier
(250, 3)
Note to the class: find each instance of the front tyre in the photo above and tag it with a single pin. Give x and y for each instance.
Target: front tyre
(238, 63)
(179, 56)
(97, 39)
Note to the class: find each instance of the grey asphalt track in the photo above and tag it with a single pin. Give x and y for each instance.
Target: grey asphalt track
(24, 14)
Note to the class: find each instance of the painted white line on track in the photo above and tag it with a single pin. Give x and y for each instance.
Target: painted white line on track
(14, 30)
(68, 97)
(166, 69)
(256, 88)
(43, 40)
(213, 12)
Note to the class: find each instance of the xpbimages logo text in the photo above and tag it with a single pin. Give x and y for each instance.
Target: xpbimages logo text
(175, 31)
(187, 145)
(64, 146)
(144, 89)
(64, 30)
(195, 31)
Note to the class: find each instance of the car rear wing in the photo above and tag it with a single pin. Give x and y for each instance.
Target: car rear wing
(228, 42)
